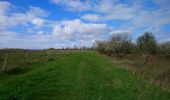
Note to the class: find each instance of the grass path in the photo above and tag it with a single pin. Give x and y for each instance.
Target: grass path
(77, 76)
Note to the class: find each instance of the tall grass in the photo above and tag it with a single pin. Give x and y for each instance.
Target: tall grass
(18, 59)
(157, 69)
(146, 57)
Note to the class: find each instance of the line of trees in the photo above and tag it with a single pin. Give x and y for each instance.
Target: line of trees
(120, 45)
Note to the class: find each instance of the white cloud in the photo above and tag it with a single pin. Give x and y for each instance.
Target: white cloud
(38, 22)
(77, 30)
(120, 31)
(6, 36)
(40, 37)
(74, 5)
(40, 40)
(91, 17)
(134, 12)
(133, 15)
(4, 6)
(9, 18)
(40, 32)
(36, 12)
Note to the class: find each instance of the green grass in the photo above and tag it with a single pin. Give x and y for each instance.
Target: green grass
(77, 76)
(15, 60)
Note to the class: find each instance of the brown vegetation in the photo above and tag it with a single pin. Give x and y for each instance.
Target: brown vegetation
(147, 57)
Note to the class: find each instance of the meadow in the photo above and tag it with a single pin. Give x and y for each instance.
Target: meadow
(74, 75)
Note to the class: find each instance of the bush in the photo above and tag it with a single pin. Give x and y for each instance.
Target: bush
(164, 49)
(118, 44)
(100, 46)
(147, 43)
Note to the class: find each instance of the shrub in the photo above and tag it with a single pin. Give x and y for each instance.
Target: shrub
(100, 46)
(164, 49)
(118, 44)
(147, 45)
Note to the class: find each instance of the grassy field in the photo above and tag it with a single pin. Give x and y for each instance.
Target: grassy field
(77, 76)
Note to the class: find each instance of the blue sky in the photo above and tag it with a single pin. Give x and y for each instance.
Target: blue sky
(38, 24)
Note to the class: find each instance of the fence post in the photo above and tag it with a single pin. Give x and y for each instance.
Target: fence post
(26, 55)
(5, 62)
(47, 54)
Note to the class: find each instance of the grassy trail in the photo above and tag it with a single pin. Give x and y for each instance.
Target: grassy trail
(77, 76)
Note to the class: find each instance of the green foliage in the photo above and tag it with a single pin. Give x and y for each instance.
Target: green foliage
(164, 49)
(147, 43)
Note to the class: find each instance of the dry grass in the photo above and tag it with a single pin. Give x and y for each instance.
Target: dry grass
(157, 69)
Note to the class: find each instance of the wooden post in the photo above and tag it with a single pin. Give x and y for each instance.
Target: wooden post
(48, 55)
(5, 62)
(26, 55)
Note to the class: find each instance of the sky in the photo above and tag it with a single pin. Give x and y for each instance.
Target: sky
(40, 24)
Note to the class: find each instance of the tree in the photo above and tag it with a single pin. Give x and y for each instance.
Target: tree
(120, 44)
(147, 45)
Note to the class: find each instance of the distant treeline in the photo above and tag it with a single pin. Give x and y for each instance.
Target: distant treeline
(35, 50)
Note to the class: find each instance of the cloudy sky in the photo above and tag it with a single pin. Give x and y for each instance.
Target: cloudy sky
(37, 24)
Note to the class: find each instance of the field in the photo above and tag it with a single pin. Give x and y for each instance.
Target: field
(80, 75)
